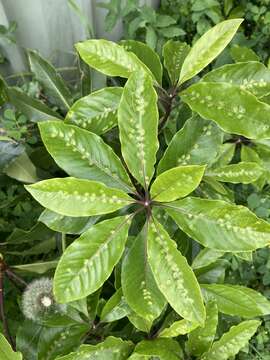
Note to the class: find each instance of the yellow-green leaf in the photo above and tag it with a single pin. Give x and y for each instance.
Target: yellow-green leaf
(78, 197)
(208, 47)
(110, 58)
(96, 112)
(177, 182)
(219, 225)
(138, 126)
(233, 341)
(90, 259)
(238, 112)
(173, 275)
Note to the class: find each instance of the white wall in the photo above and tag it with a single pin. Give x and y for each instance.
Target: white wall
(51, 27)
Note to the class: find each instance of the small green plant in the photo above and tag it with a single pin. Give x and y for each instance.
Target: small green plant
(153, 209)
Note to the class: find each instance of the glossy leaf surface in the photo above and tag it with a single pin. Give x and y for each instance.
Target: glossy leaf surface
(173, 275)
(251, 76)
(138, 126)
(177, 182)
(180, 327)
(90, 259)
(66, 224)
(243, 172)
(165, 349)
(238, 112)
(138, 283)
(6, 351)
(111, 349)
(208, 47)
(197, 143)
(174, 53)
(233, 341)
(96, 112)
(84, 155)
(78, 197)
(219, 225)
(148, 56)
(110, 58)
(115, 308)
(237, 300)
(201, 339)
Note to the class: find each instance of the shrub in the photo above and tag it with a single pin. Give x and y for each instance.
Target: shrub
(153, 207)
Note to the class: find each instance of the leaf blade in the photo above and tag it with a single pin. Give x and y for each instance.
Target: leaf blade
(96, 112)
(219, 225)
(173, 275)
(138, 126)
(88, 261)
(251, 114)
(176, 182)
(208, 47)
(87, 197)
(84, 155)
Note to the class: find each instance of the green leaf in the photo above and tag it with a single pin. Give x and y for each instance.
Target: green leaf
(96, 112)
(138, 283)
(233, 341)
(180, 327)
(225, 155)
(56, 341)
(84, 155)
(237, 300)
(208, 47)
(115, 308)
(173, 275)
(209, 101)
(35, 110)
(140, 323)
(206, 257)
(6, 352)
(243, 54)
(201, 339)
(219, 225)
(198, 142)
(22, 169)
(37, 268)
(148, 56)
(243, 172)
(109, 58)
(66, 224)
(164, 349)
(174, 54)
(52, 83)
(177, 182)
(89, 261)
(250, 76)
(138, 126)
(78, 197)
(111, 349)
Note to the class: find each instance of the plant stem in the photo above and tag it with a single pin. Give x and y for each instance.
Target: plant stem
(2, 310)
(168, 108)
(15, 278)
(63, 240)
